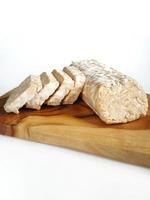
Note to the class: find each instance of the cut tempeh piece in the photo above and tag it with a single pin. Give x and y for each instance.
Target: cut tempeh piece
(49, 85)
(79, 80)
(115, 97)
(66, 84)
(23, 93)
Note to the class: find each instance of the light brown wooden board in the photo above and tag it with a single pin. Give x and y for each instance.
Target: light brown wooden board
(77, 127)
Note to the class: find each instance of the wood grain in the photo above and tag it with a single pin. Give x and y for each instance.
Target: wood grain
(77, 127)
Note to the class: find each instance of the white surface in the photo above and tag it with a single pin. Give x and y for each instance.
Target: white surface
(35, 171)
(39, 35)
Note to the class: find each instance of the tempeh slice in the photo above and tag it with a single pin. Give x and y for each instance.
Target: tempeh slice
(79, 80)
(49, 85)
(23, 93)
(66, 84)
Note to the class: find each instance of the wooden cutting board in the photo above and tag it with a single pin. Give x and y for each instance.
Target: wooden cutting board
(77, 127)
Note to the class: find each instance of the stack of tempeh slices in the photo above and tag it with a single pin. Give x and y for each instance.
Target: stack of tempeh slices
(55, 88)
(113, 96)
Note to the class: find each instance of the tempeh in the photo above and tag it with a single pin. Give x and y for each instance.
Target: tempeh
(49, 85)
(23, 93)
(115, 97)
(79, 80)
(66, 84)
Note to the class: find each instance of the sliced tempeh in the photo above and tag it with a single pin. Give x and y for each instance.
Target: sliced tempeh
(66, 84)
(115, 97)
(49, 85)
(23, 93)
(79, 80)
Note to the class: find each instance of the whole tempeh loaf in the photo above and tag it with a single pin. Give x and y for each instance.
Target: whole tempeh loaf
(115, 97)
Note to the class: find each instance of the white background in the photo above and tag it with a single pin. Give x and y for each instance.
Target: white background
(36, 36)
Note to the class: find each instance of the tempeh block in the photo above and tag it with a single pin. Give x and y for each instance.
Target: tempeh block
(115, 97)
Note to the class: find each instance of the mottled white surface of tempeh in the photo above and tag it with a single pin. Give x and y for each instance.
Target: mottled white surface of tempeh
(66, 84)
(115, 97)
(79, 80)
(49, 85)
(23, 93)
